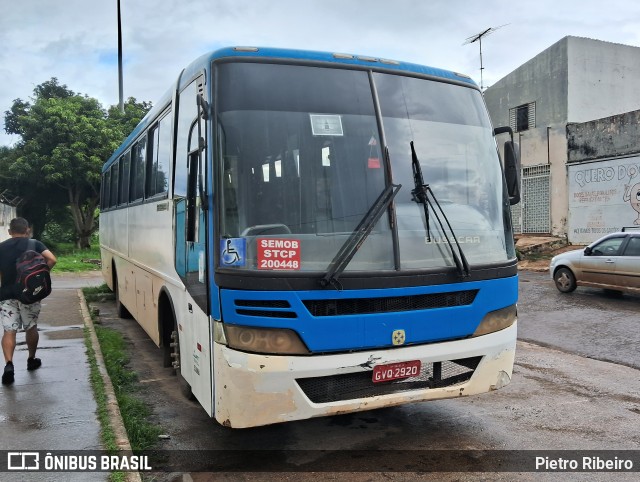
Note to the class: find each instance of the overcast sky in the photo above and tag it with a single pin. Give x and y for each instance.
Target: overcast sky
(76, 40)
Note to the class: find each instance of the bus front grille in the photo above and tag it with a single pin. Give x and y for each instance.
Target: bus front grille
(263, 303)
(265, 308)
(351, 386)
(357, 306)
(268, 314)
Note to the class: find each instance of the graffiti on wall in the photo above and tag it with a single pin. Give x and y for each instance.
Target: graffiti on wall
(603, 197)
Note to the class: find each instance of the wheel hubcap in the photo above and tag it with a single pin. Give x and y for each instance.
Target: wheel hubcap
(563, 280)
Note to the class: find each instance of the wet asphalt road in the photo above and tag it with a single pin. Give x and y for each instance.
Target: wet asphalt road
(589, 321)
(564, 395)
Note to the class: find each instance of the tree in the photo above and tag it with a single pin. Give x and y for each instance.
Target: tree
(65, 139)
(19, 108)
(12, 116)
(32, 203)
(133, 112)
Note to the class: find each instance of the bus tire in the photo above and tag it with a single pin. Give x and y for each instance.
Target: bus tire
(121, 310)
(185, 388)
(174, 356)
(167, 326)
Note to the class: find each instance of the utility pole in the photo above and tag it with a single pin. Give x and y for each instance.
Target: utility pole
(478, 38)
(120, 82)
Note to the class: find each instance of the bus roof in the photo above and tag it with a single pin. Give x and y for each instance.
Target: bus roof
(329, 58)
(285, 55)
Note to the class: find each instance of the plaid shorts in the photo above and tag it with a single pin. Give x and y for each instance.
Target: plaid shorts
(16, 315)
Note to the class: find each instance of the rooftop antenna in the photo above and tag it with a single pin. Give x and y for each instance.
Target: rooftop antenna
(478, 38)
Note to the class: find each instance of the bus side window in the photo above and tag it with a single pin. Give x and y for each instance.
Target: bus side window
(136, 189)
(187, 111)
(106, 189)
(125, 165)
(113, 198)
(157, 172)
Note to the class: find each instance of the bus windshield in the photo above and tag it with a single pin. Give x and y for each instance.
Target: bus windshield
(301, 156)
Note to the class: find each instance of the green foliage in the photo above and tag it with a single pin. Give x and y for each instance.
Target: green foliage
(65, 139)
(134, 111)
(64, 143)
(12, 117)
(101, 293)
(74, 260)
(50, 89)
(59, 227)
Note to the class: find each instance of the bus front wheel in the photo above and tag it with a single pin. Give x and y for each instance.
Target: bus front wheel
(183, 385)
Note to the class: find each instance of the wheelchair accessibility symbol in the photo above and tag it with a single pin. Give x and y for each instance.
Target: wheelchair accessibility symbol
(233, 251)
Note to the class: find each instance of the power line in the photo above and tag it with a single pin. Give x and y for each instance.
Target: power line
(478, 38)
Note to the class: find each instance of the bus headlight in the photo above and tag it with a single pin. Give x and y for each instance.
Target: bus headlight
(497, 320)
(275, 341)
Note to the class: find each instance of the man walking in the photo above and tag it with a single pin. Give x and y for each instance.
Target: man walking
(14, 314)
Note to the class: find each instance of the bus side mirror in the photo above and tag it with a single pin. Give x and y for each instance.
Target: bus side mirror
(204, 105)
(512, 172)
(511, 165)
(203, 113)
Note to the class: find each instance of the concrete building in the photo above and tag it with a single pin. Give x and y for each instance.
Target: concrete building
(571, 109)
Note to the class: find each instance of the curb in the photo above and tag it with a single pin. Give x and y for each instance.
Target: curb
(115, 418)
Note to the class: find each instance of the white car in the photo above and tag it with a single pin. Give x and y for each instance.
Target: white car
(612, 263)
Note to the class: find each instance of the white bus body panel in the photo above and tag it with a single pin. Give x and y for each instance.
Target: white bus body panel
(140, 283)
(253, 390)
(195, 351)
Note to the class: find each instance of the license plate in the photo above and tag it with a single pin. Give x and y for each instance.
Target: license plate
(396, 371)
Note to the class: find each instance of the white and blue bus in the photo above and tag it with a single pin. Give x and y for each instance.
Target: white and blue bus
(307, 234)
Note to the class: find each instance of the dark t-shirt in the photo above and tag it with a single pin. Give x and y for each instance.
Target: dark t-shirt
(10, 251)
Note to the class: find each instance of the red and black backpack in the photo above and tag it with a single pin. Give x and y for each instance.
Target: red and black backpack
(33, 281)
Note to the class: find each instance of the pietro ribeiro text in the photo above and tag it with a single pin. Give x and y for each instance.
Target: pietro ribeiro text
(596, 464)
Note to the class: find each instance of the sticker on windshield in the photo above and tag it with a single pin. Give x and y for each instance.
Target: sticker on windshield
(233, 252)
(326, 124)
(276, 253)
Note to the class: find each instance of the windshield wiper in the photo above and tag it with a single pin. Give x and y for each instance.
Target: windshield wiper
(421, 195)
(351, 246)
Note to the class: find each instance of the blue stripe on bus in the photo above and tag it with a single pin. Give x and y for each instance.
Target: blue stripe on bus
(355, 332)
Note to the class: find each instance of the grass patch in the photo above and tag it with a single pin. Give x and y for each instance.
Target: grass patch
(74, 260)
(135, 413)
(98, 293)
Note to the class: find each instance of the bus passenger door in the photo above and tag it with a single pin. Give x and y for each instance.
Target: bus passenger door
(194, 329)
